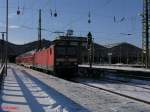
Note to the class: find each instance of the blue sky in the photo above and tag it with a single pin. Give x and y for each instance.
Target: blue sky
(73, 14)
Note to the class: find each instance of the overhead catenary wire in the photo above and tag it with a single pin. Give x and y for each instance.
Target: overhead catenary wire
(89, 12)
(78, 20)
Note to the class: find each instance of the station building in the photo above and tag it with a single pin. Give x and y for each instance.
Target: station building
(124, 53)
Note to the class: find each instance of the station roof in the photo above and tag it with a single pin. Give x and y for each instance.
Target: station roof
(109, 46)
(114, 45)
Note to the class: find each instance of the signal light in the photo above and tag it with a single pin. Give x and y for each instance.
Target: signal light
(55, 14)
(18, 11)
(89, 40)
(89, 21)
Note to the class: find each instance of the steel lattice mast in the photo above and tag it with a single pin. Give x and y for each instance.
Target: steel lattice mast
(145, 33)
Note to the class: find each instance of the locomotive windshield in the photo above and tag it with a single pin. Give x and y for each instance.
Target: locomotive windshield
(71, 51)
(60, 51)
(66, 50)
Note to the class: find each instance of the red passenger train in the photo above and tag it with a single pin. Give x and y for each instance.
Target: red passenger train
(61, 57)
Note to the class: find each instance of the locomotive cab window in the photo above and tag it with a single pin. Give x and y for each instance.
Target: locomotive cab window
(71, 51)
(66, 50)
(60, 50)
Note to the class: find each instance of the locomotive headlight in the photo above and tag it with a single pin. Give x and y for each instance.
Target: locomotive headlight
(58, 63)
(76, 63)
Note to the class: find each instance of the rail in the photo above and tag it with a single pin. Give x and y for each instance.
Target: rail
(117, 93)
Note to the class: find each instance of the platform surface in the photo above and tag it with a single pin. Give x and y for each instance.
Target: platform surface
(26, 90)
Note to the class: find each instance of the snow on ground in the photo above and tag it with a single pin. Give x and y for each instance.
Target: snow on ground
(92, 99)
(29, 90)
(119, 68)
(137, 91)
(22, 94)
(136, 82)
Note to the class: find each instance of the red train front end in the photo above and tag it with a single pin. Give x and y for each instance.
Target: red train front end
(66, 60)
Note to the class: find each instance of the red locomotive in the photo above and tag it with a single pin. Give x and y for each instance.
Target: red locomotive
(61, 56)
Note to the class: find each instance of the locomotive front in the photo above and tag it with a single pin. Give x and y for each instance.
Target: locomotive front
(66, 58)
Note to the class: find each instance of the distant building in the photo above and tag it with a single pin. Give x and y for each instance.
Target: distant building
(124, 53)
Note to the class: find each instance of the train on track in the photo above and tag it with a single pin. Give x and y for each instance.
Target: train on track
(61, 57)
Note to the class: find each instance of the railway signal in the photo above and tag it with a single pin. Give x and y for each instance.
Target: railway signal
(89, 40)
(90, 48)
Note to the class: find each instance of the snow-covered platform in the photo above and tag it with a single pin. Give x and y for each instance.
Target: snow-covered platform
(120, 68)
(26, 90)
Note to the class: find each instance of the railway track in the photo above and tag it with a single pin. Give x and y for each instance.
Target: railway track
(127, 83)
(114, 92)
(131, 76)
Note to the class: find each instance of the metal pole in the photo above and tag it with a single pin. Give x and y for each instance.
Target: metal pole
(6, 34)
(109, 58)
(127, 56)
(91, 55)
(2, 51)
(93, 51)
(39, 31)
(2, 48)
(147, 35)
(120, 55)
(90, 45)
